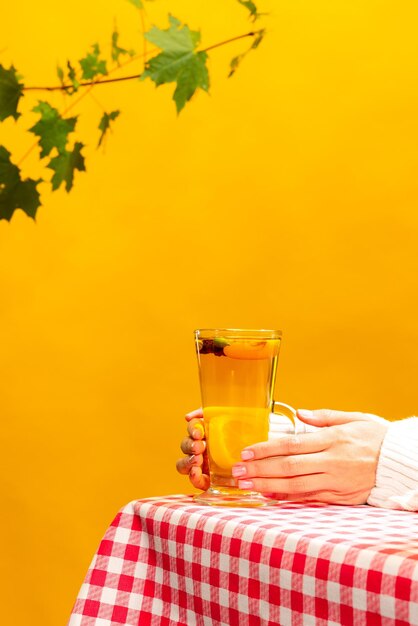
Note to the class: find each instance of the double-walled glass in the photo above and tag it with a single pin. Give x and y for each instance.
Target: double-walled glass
(237, 370)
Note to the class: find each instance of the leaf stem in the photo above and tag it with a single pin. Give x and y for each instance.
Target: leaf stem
(89, 83)
(99, 104)
(27, 153)
(253, 33)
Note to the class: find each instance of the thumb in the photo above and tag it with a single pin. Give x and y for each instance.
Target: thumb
(327, 417)
(197, 413)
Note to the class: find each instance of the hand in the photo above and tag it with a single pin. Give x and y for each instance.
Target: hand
(336, 464)
(195, 464)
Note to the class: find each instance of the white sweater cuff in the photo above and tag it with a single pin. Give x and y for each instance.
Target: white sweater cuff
(397, 469)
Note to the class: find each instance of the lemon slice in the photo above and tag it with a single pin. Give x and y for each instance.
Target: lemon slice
(229, 434)
(252, 350)
(223, 446)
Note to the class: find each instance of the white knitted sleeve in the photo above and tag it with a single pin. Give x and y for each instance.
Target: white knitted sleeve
(397, 469)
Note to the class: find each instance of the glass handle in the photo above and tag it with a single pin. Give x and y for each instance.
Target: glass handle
(282, 426)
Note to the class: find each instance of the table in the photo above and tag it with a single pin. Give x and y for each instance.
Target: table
(170, 562)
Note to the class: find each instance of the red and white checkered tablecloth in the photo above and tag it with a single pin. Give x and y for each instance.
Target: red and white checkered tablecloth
(170, 562)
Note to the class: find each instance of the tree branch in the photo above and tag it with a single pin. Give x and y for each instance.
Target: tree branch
(104, 81)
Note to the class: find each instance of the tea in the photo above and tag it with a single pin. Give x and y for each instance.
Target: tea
(237, 375)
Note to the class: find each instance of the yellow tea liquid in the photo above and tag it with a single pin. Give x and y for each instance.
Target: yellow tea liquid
(237, 379)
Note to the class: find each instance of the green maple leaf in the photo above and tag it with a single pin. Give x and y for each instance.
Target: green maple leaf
(92, 65)
(64, 166)
(236, 61)
(16, 193)
(72, 77)
(249, 4)
(104, 125)
(234, 65)
(116, 50)
(138, 3)
(11, 90)
(178, 62)
(60, 74)
(52, 129)
(258, 39)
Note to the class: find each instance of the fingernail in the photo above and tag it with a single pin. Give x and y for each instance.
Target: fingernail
(246, 455)
(245, 484)
(198, 431)
(239, 470)
(305, 413)
(191, 459)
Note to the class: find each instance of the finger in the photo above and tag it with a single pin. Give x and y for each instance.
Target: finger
(192, 446)
(193, 414)
(196, 429)
(296, 485)
(288, 445)
(328, 417)
(184, 464)
(327, 497)
(198, 479)
(314, 496)
(285, 466)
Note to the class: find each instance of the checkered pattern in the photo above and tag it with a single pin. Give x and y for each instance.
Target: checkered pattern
(170, 562)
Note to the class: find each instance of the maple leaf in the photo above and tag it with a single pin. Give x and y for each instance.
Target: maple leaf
(64, 166)
(91, 65)
(138, 3)
(52, 129)
(178, 62)
(11, 90)
(16, 193)
(116, 50)
(104, 125)
(249, 4)
(236, 61)
(60, 74)
(72, 77)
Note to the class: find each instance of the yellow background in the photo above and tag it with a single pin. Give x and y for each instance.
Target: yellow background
(285, 199)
